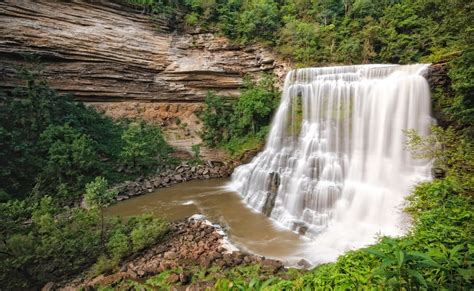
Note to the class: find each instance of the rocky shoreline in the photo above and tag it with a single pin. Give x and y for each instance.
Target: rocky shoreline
(194, 242)
(182, 173)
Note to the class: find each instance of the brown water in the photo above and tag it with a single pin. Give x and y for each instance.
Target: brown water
(247, 229)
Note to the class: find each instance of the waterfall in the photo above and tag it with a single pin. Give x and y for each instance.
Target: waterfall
(336, 147)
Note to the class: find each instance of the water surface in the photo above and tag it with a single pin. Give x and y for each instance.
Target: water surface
(249, 230)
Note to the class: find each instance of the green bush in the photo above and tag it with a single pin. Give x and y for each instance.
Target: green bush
(70, 157)
(216, 118)
(244, 123)
(45, 243)
(146, 230)
(52, 150)
(55, 146)
(144, 147)
(98, 193)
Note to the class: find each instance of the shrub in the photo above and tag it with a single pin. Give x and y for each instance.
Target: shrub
(144, 147)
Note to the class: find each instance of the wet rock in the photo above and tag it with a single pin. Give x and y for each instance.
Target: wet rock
(438, 173)
(247, 259)
(157, 182)
(304, 264)
(122, 197)
(221, 263)
(303, 229)
(275, 265)
(273, 184)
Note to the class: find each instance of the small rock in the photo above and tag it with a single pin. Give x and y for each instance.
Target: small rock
(170, 255)
(205, 262)
(157, 182)
(273, 264)
(122, 197)
(173, 278)
(304, 264)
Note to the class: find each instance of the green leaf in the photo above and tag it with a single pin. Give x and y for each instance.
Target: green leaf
(466, 274)
(400, 257)
(417, 276)
(267, 283)
(387, 262)
(375, 252)
(426, 260)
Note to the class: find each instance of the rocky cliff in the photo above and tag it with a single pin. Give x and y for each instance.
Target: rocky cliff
(125, 63)
(128, 64)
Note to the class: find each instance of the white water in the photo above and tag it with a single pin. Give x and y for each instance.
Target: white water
(337, 143)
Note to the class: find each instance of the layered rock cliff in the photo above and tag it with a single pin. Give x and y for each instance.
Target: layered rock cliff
(125, 63)
(128, 64)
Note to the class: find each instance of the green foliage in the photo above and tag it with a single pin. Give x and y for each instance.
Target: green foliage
(98, 193)
(69, 156)
(216, 118)
(144, 147)
(258, 20)
(51, 145)
(243, 124)
(51, 148)
(254, 109)
(451, 152)
(461, 109)
(45, 243)
(196, 160)
(146, 230)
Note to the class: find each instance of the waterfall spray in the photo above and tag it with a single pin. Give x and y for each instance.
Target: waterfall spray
(334, 167)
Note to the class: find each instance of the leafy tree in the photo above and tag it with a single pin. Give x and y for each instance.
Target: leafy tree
(255, 107)
(144, 147)
(70, 157)
(216, 118)
(258, 20)
(35, 108)
(98, 194)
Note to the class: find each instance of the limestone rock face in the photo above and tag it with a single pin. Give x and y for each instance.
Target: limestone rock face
(128, 64)
(108, 52)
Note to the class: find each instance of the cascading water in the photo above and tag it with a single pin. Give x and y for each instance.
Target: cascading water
(335, 166)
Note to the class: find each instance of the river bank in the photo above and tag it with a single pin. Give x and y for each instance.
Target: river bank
(191, 244)
(181, 173)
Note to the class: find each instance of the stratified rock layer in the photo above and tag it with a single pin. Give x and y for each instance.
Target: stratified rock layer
(108, 52)
(128, 64)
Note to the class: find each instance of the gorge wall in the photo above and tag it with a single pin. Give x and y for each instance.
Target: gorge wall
(126, 64)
